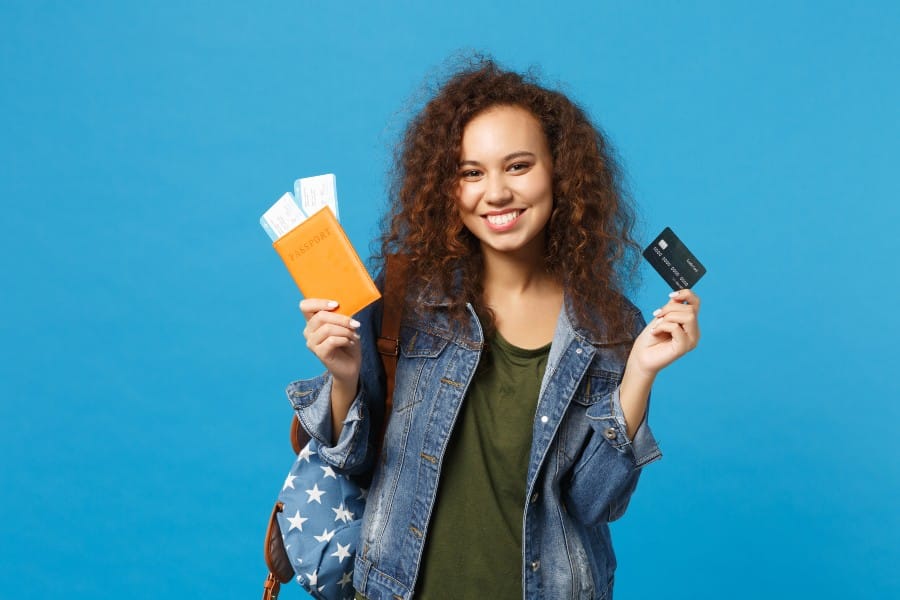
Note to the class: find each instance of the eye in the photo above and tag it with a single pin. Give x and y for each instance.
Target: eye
(470, 174)
(519, 167)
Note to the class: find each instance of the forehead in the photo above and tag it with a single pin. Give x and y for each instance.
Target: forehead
(501, 130)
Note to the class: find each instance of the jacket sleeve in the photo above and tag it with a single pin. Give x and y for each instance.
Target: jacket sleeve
(606, 474)
(311, 399)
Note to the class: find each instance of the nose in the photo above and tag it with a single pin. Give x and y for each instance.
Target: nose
(497, 193)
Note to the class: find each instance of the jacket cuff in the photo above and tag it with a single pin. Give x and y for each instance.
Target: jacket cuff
(643, 449)
(311, 400)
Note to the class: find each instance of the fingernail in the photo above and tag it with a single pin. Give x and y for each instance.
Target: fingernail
(354, 323)
(332, 304)
(657, 312)
(356, 336)
(673, 294)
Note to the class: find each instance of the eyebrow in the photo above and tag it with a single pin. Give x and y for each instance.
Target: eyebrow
(508, 157)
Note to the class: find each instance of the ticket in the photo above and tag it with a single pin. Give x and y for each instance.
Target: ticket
(283, 216)
(315, 193)
(311, 194)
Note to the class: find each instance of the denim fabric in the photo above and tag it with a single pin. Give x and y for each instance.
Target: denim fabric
(582, 469)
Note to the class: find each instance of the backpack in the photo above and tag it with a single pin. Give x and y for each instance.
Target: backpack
(318, 561)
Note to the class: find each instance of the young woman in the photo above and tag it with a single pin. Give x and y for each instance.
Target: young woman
(518, 428)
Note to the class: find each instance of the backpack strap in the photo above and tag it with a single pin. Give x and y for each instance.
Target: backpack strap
(395, 270)
(299, 437)
(280, 569)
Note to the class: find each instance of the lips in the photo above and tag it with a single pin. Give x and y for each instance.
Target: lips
(503, 220)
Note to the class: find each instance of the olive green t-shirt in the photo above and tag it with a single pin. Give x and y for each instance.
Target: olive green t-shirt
(473, 545)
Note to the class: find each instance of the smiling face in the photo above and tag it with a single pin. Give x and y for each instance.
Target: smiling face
(505, 190)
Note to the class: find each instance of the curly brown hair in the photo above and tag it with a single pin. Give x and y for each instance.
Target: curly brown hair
(589, 236)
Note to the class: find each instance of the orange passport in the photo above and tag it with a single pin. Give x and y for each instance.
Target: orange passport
(324, 263)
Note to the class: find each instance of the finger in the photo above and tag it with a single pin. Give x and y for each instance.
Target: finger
(688, 322)
(310, 306)
(316, 337)
(329, 345)
(680, 317)
(325, 317)
(673, 307)
(678, 338)
(685, 296)
(675, 304)
(329, 349)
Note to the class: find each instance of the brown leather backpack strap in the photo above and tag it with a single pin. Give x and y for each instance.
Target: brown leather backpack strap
(394, 294)
(299, 437)
(280, 569)
(271, 587)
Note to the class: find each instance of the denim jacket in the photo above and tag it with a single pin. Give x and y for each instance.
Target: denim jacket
(582, 469)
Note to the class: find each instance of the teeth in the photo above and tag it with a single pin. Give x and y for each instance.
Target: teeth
(504, 219)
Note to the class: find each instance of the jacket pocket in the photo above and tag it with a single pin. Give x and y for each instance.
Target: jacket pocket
(597, 397)
(419, 351)
(598, 385)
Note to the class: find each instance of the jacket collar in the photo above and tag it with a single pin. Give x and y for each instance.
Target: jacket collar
(568, 326)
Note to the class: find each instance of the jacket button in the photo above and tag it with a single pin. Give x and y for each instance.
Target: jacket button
(296, 394)
(609, 433)
(534, 497)
(544, 419)
(535, 565)
(578, 350)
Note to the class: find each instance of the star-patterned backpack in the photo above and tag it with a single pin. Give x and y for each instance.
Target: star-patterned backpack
(315, 525)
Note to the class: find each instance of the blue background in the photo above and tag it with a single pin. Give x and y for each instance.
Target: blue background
(148, 327)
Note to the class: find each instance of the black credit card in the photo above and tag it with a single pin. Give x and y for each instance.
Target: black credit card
(673, 261)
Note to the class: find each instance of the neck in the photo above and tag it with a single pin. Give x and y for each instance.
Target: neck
(525, 299)
(515, 273)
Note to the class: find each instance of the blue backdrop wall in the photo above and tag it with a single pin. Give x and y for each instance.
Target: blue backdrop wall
(148, 327)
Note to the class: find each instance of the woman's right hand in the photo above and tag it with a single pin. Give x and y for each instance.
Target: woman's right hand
(333, 339)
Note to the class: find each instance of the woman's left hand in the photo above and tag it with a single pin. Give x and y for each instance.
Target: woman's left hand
(673, 332)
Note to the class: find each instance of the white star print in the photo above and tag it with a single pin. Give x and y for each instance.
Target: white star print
(297, 521)
(315, 494)
(289, 482)
(305, 454)
(342, 552)
(329, 472)
(342, 514)
(326, 536)
(338, 512)
(363, 494)
(313, 578)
